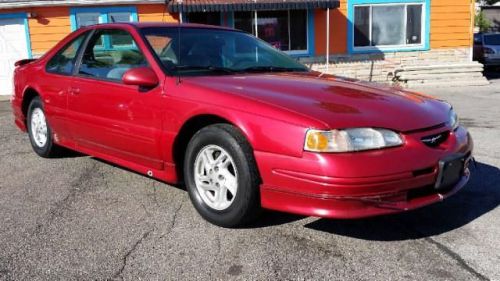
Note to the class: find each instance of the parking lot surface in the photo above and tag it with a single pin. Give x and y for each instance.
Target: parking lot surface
(81, 218)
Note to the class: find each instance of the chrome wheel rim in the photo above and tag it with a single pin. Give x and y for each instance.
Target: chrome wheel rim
(216, 177)
(39, 127)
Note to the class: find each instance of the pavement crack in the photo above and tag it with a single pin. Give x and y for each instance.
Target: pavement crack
(155, 190)
(61, 205)
(174, 219)
(449, 252)
(118, 274)
(455, 256)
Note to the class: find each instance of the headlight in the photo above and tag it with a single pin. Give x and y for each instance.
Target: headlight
(453, 119)
(356, 139)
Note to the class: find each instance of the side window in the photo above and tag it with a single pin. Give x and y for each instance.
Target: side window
(111, 60)
(64, 60)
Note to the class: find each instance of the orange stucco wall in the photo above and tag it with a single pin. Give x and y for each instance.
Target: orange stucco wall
(338, 30)
(451, 26)
(49, 26)
(157, 12)
(451, 23)
(52, 24)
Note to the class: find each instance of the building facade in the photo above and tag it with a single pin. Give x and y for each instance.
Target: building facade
(374, 40)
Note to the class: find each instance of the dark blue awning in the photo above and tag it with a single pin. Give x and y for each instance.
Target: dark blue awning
(188, 6)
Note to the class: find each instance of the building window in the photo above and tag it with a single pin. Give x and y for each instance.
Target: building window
(88, 16)
(285, 30)
(210, 18)
(85, 19)
(393, 25)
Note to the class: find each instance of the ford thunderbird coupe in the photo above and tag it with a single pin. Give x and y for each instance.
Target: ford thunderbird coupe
(244, 126)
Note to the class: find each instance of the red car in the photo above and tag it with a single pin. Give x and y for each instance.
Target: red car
(242, 124)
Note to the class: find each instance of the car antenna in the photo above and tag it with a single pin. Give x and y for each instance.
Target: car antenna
(179, 47)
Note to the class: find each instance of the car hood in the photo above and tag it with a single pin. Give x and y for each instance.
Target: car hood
(337, 102)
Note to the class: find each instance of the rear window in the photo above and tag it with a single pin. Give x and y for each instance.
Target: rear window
(492, 39)
(64, 60)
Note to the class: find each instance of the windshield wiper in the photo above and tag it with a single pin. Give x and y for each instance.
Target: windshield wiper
(271, 69)
(200, 67)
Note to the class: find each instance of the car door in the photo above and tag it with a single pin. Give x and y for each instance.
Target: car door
(107, 116)
(55, 83)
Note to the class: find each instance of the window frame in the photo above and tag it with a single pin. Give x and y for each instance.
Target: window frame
(103, 14)
(83, 47)
(425, 26)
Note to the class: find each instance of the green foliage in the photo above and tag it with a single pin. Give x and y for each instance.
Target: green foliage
(489, 2)
(482, 22)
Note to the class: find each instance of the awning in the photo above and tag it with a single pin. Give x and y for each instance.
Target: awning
(187, 6)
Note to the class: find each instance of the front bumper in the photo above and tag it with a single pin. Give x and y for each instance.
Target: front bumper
(491, 61)
(363, 184)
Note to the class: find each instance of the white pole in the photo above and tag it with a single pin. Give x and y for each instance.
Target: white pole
(327, 39)
(256, 35)
(256, 25)
(473, 16)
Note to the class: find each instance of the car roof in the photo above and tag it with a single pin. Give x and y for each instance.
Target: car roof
(157, 24)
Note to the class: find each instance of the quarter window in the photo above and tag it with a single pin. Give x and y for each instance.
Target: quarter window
(388, 25)
(110, 62)
(64, 60)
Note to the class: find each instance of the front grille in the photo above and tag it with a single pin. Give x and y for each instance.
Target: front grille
(435, 140)
(421, 192)
(422, 172)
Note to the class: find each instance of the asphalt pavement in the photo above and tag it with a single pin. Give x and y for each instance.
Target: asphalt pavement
(79, 218)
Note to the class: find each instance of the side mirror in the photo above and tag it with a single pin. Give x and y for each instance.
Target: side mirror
(140, 76)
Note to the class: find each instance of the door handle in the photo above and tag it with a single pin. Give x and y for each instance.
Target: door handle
(74, 91)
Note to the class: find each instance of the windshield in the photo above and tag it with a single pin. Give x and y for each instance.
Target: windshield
(492, 39)
(204, 51)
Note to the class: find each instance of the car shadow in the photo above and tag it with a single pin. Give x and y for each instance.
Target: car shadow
(63, 153)
(492, 73)
(480, 196)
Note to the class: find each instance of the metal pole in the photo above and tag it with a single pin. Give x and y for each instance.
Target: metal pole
(327, 39)
(180, 12)
(256, 25)
(471, 30)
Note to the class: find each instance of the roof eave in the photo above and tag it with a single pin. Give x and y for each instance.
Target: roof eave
(39, 3)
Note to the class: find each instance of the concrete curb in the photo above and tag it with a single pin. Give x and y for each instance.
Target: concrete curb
(4, 97)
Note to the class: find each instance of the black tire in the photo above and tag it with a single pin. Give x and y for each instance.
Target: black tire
(50, 149)
(245, 206)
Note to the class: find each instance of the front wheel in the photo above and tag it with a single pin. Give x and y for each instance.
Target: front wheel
(221, 176)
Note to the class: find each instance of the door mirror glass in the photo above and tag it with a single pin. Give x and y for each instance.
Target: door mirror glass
(140, 76)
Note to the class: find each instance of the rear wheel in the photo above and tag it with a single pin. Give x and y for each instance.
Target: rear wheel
(39, 130)
(221, 176)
